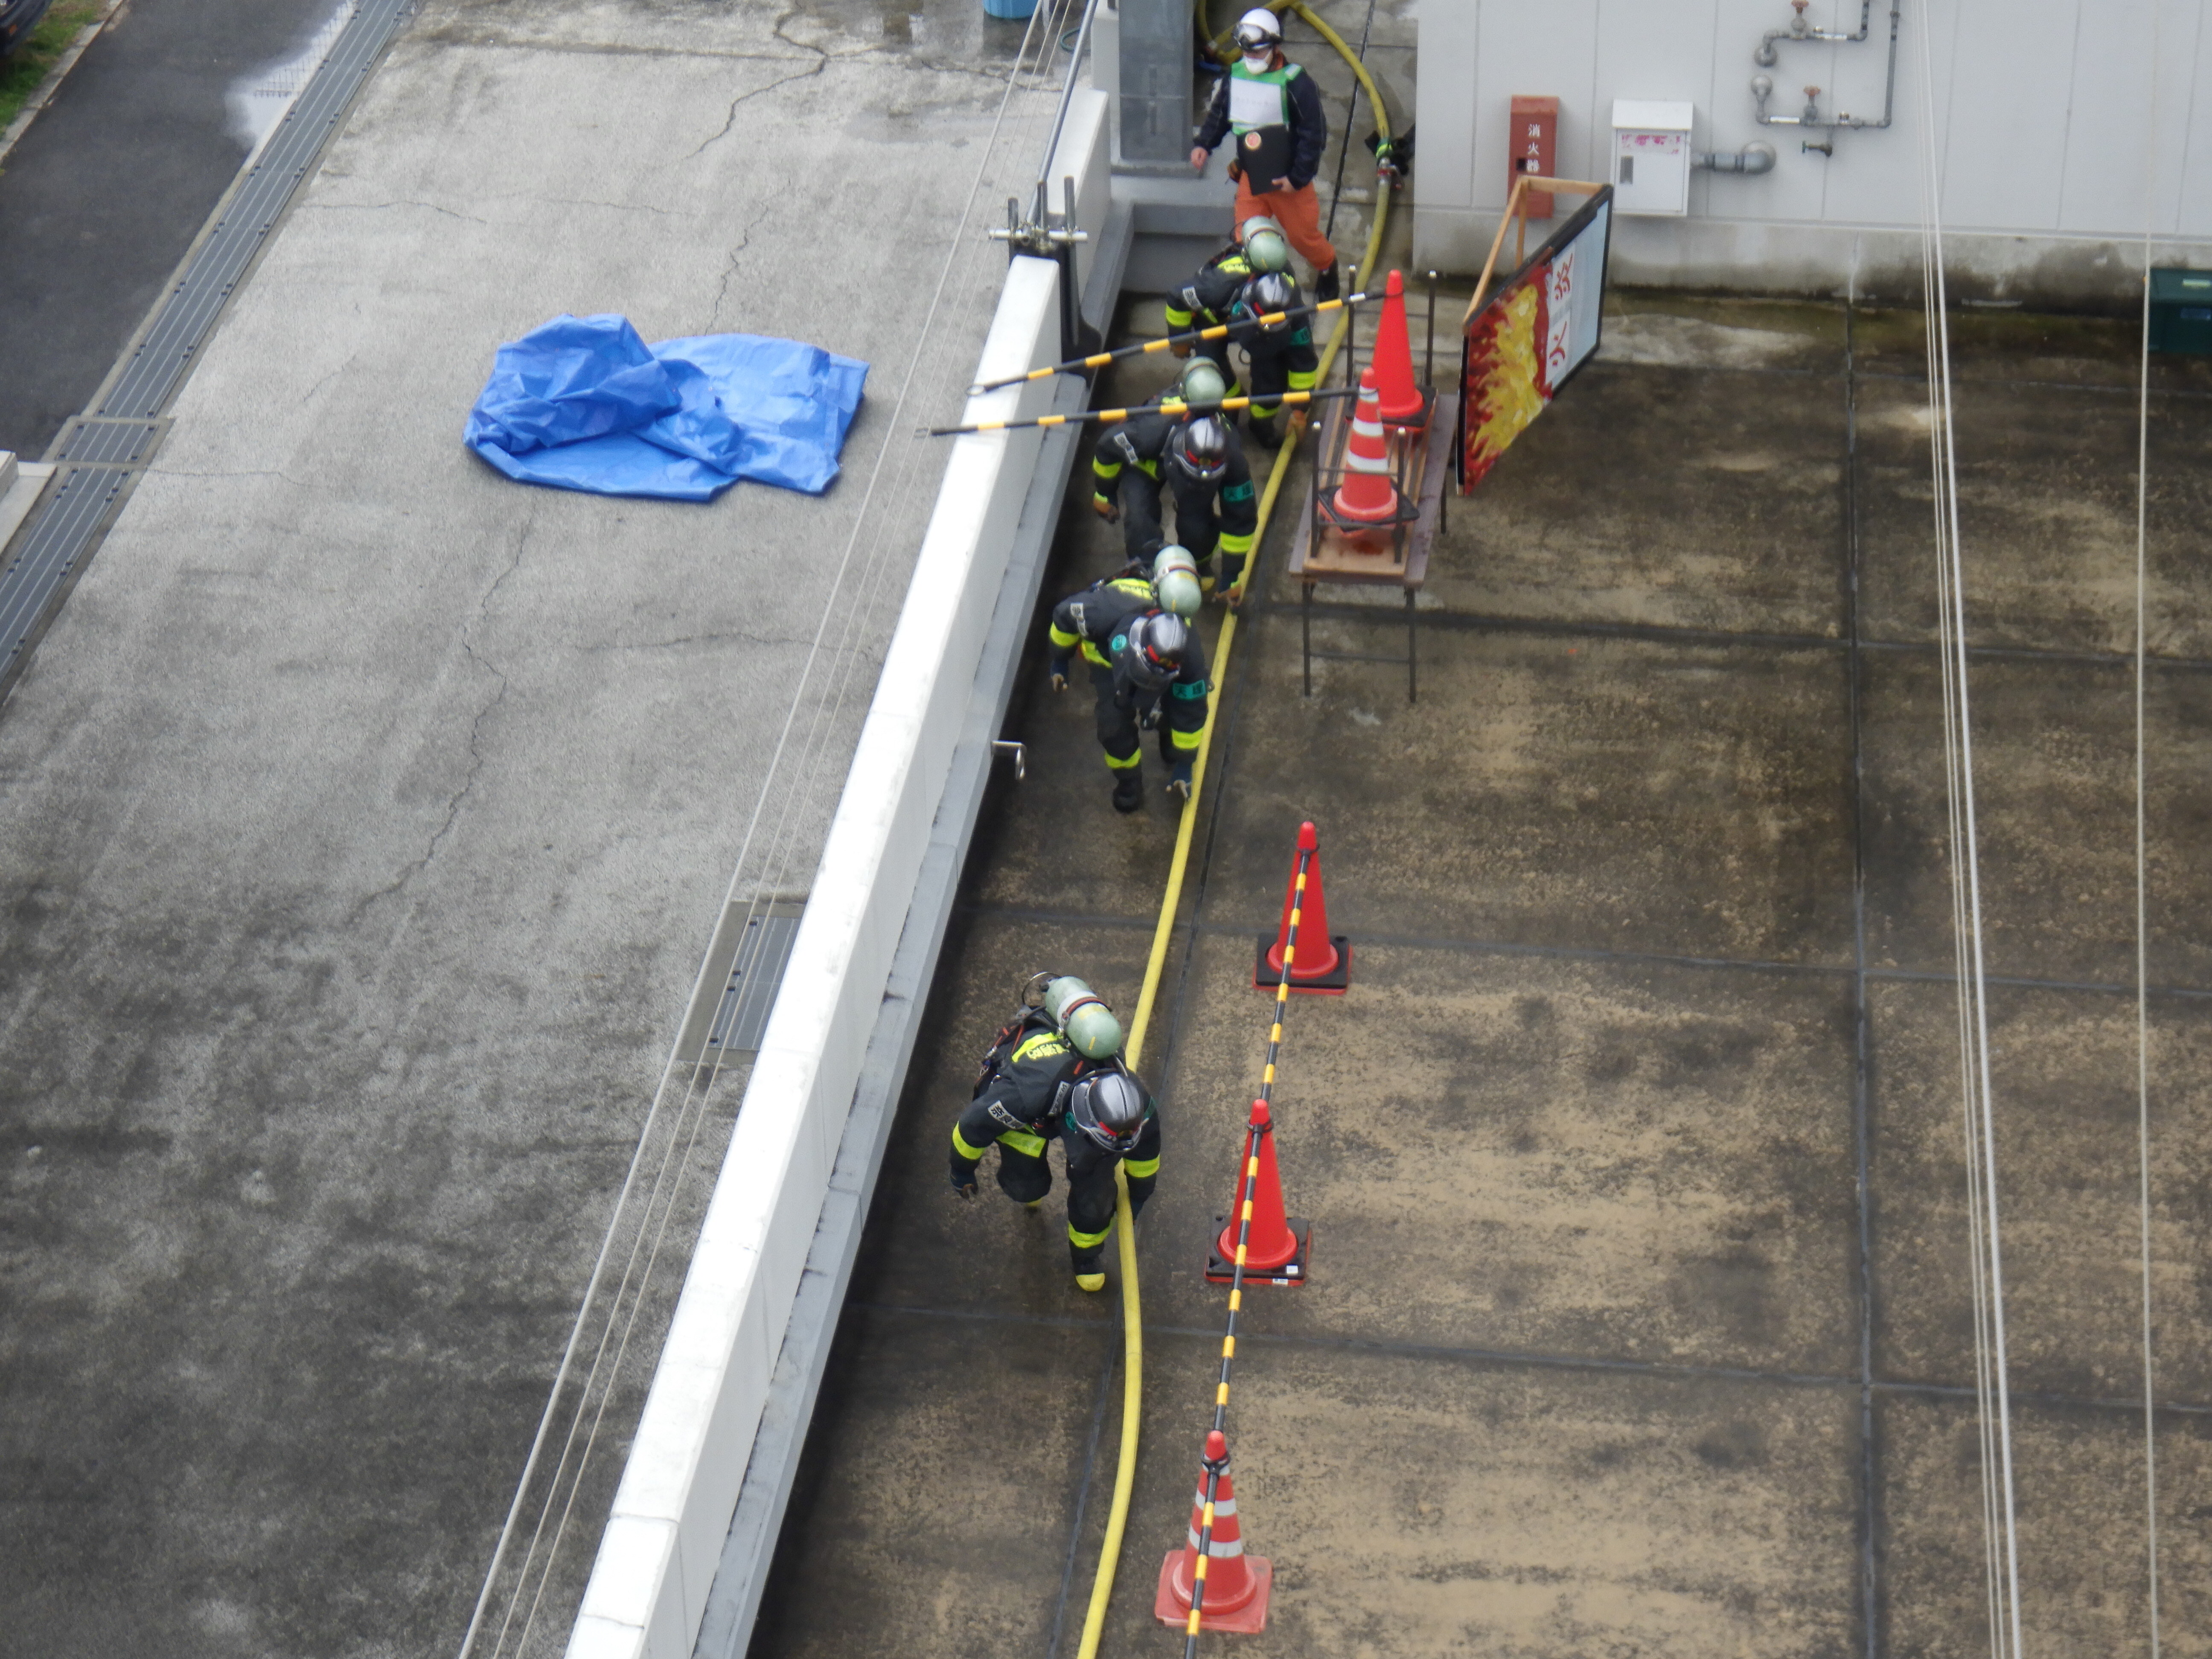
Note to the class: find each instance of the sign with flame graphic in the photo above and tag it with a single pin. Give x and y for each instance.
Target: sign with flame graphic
(1528, 340)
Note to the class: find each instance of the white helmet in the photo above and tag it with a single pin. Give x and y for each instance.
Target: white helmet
(1257, 30)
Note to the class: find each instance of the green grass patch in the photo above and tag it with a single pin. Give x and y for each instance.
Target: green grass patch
(20, 75)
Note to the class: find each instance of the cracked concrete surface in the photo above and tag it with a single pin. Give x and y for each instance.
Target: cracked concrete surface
(364, 816)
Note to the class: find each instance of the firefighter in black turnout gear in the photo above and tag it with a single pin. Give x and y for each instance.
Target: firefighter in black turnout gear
(1207, 299)
(1281, 354)
(1199, 459)
(1147, 671)
(1054, 1072)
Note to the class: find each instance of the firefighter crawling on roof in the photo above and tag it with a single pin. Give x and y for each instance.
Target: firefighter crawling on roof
(1054, 1072)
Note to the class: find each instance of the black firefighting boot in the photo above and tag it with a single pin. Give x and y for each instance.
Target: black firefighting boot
(1129, 790)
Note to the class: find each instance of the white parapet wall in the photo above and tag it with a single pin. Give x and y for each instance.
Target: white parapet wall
(671, 1512)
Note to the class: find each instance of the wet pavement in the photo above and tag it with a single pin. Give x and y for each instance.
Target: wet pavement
(108, 187)
(1640, 1320)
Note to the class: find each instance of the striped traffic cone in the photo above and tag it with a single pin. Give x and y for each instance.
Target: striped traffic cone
(1237, 1584)
(1368, 497)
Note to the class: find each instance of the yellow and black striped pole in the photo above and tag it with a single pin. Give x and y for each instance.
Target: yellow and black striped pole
(1166, 406)
(1219, 331)
(1258, 1124)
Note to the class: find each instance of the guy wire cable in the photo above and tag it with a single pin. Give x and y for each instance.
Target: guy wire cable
(1351, 110)
(2142, 868)
(1993, 1565)
(814, 752)
(1977, 1084)
(622, 1206)
(1125, 1476)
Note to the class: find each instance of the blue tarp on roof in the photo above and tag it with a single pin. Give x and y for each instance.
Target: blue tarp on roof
(581, 402)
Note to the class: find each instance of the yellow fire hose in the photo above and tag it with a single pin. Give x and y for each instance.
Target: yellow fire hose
(1133, 1338)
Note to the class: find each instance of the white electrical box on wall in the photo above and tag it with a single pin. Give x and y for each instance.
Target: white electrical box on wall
(1650, 156)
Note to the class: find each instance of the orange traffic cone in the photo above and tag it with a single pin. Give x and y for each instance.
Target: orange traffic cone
(1368, 499)
(1237, 1584)
(1276, 1251)
(1402, 404)
(1322, 964)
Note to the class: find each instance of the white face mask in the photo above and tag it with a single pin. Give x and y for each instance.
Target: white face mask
(1258, 61)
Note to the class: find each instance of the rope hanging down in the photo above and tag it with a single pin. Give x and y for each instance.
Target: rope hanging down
(1992, 1383)
(858, 576)
(2142, 868)
(1258, 1126)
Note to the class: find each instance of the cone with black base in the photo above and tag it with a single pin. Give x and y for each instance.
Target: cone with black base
(1237, 1584)
(1278, 1250)
(1321, 964)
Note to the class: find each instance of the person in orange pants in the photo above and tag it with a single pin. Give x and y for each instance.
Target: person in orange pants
(1274, 110)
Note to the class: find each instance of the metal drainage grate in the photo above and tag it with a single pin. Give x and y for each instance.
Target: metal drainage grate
(763, 952)
(101, 452)
(166, 350)
(76, 509)
(97, 441)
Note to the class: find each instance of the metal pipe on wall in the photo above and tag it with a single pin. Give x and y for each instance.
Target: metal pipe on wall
(1762, 87)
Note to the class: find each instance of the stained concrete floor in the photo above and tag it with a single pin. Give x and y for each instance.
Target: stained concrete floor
(1640, 1320)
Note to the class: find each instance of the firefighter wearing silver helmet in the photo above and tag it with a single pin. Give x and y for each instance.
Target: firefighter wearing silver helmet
(1278, 348)
(1147, 670)
(1200, 462)
(1054, 1072)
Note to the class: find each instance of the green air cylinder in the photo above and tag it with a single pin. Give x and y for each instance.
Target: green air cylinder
(2181, 312)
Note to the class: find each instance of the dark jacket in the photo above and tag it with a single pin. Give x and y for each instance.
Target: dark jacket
(1093, 617)
(1142, 443)
(1309, 124)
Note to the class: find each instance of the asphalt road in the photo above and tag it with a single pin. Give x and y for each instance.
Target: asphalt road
(109, 185)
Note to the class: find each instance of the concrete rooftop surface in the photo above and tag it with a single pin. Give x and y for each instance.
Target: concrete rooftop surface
(1640, 1320)
(364, 815)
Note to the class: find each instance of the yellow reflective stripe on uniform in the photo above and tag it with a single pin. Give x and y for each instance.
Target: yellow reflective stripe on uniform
(1141, 1169)
(1061, 638)
(960, 1145)
(1092, 653)
(1182, 739)
(1304, 379)
(1022, 1142)
(1045, 1044)
(1124, 765)
(1178, 320)
(1105, 469)
(1083, 1241)
(1229, 544)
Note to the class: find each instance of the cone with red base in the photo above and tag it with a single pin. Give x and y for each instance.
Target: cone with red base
(1279, 1249)
(1400, 401)
(1368, 500)
(1237, 1584)
(1321, 964)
